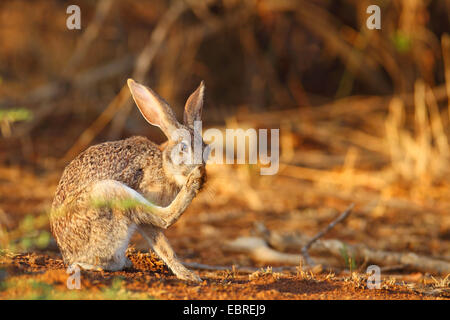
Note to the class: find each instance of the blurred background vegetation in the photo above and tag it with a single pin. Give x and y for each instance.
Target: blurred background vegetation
(254, 56)
(364, 114)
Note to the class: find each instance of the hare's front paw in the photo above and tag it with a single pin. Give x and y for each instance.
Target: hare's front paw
(194, 179)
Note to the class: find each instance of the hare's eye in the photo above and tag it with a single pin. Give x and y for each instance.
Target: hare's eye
(183, 146)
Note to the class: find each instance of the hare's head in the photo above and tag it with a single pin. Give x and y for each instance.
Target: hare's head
(185, 148)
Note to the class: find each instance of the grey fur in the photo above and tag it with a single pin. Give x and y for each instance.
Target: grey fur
(93, 232)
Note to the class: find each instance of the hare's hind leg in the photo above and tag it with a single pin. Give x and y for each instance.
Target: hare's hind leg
(162, 248)
(152, 218)
(109, 235)
(146, 212)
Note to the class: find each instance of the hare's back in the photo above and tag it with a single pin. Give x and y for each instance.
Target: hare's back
(122, 160)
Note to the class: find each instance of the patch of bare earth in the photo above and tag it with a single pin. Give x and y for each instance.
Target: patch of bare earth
(151, 277)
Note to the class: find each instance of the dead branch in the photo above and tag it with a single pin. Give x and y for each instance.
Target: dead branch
(446, 55)
(88, 37)
(146, 57)
(259, 251)
(372, 199)
(45, 94)
(332, 177)
(319, 235)
(205, 30)
(325, 26)
(143, 63)
(333, 248)
(353, 106)
(141, 67)
(90, 133)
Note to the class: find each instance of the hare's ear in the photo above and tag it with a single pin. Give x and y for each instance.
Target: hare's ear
(153, 108)
(194, 106)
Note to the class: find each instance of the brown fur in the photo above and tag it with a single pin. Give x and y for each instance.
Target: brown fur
(96, 237)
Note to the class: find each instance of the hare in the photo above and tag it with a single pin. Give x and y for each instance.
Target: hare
(115, 188)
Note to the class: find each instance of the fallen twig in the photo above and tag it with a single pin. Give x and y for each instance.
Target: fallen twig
(258, 250)
(339, 219)
(333, 248)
